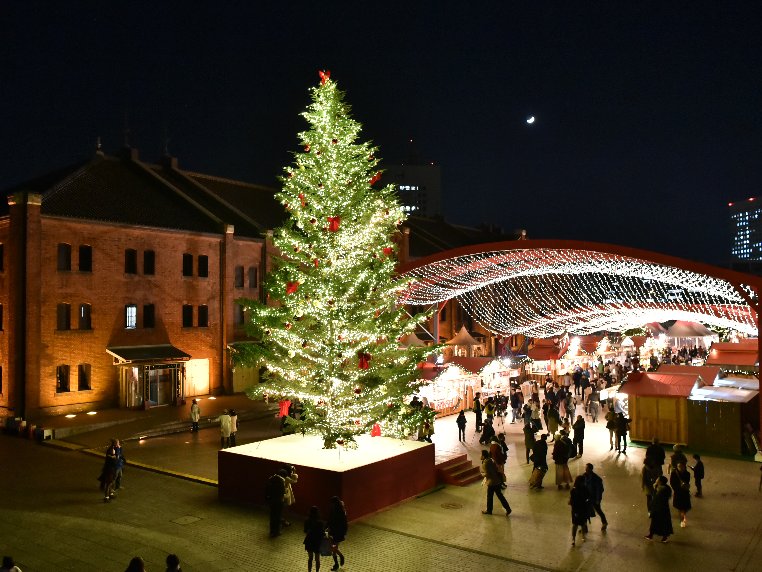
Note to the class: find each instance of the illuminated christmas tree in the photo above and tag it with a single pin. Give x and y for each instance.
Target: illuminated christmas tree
(329, 336)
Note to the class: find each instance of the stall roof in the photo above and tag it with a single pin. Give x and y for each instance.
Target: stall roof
(744, 353)
(472, 364)
(544, 350)
(738, 383)
(412, 340)
(637, 341)
(683, 329)
(708, 373)
(731, 394)
(654, 384)
(589, 343)
(463, 338)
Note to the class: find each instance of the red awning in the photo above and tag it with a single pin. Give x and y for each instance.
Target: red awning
(708, 373)
(743, 354)
(659, 384)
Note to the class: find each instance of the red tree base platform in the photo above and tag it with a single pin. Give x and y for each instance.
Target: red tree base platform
(379, 473)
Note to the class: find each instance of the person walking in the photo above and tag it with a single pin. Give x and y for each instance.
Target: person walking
(108, 473)
(579, 434)
(649, 476)
(680, 481)
(594, 484)
(560, 455)
(478, 412)
(655, 455)
(698, 474)
(515, 405)
(611, 425)
(225, 426)
(622, 428)
(119, 465)
(528, 440)
(499, 456)
(540, 459)
(337, 529)
(233, 426)
(677, 457)
(173, 563)
(290, 478)
(274, 495)
(553, 420)
(579, 500)
(314, 532)
(661, 517)
(494, 484)
(195, 415)
(9, 565)
(461, 423)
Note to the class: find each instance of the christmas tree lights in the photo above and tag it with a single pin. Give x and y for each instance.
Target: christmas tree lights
(329, 335)
(545, 292)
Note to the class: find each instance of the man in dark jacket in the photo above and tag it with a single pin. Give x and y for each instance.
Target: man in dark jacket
(494, 481)
(622, 428)
(594, 485)
(274, 493)
(655, 455)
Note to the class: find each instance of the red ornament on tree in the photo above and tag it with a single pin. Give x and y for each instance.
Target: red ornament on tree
(307, 148)
(301, 198)
(388, 251)
(339, 442)
(358, 391)
(334, 141)
(316, 262)
(292, 287)
(375, 430)
(324, 76)
(363, 360)
(375, 178)
(313, 221)
(333, 223)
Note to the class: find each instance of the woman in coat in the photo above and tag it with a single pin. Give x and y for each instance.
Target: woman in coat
(680, 480)
(560, 456)
(579, 434)
(337, 528)
(581, 507)
(195, 415)
(314, 532)
(661, 517)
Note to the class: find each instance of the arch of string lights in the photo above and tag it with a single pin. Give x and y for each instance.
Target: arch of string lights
(545, 292)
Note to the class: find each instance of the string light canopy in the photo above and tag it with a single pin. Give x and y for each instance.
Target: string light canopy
(547, 291)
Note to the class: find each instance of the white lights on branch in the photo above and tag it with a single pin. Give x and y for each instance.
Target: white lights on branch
(546, 292)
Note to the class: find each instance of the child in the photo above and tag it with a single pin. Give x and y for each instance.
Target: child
(698, 473)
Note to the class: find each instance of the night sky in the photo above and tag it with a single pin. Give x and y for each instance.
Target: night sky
(648, 116)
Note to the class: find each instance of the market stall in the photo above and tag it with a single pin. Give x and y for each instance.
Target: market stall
(463, 345)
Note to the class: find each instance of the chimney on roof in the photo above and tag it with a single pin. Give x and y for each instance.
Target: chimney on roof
(169, 162)
(129, 153)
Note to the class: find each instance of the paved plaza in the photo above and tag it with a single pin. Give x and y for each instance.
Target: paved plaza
(52, 516)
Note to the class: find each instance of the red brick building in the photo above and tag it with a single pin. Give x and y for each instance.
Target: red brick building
(118, 282)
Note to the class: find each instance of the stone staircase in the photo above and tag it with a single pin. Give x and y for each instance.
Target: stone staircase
(458, 471)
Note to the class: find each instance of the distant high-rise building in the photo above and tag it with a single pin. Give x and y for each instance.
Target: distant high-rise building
(419, 187)
(746, 232)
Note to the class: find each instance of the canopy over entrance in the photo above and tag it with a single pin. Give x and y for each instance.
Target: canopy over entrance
(544, 288)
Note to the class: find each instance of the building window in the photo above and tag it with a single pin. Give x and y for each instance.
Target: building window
(149, 316)
(64, 256)
(62, 379)
(149, 262)
(238, 315)
(84, 317)
(187, 264)
(203, 316)
(253, 276)
(63, 317)
(130, 316)
(203, 266)
(130, 261)
(238, 277)
(187, 316)
(83, 377)
(85, 258)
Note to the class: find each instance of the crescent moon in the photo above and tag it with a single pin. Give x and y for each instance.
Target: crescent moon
(530, 120)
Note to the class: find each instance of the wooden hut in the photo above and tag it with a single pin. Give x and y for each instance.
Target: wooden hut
(658, 405)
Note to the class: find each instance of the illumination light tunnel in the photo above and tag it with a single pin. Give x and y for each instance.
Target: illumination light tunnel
(544, 292)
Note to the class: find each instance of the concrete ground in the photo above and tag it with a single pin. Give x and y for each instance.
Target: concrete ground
(52, 516)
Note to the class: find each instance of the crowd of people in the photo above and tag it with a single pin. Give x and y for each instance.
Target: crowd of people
(565, 411)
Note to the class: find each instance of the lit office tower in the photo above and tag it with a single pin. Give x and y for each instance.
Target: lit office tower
(746, 232)
(419, 187)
